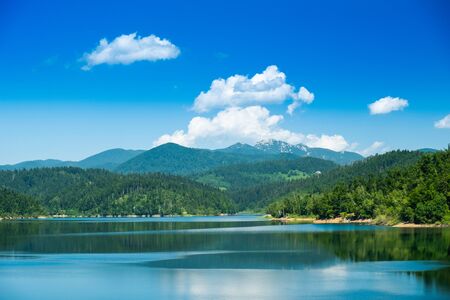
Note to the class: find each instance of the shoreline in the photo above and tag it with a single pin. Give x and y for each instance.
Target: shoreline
(312, 220)
(43, 217)
(286, 220)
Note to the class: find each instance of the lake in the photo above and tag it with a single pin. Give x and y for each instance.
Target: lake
(235, 257)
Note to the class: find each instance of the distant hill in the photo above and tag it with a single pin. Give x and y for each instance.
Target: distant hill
(256, 173)
(47, 163)
(427, 150)
(172, 158)
(108, 160)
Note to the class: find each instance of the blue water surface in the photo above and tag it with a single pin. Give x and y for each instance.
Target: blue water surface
(229, 257)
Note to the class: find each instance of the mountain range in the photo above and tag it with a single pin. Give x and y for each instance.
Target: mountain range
(179, 160)
(175, 159)
(108, 160)
(256, 183)
(277, 147)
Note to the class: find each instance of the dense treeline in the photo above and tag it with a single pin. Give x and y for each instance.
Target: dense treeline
(418, 193)
(396, 186)
(238, 176)
(73, 191)
(259, 196)
(14, 204)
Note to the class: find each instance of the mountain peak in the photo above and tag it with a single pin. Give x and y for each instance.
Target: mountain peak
(239, 145)
(241, 148)
(271, 142)
(276, 146)
(169, 145)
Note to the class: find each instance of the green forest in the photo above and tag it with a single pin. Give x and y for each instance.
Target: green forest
(398, 186)
(244, 175)
(16, 204)
(258, 196)
(413, 193)
(75, 191)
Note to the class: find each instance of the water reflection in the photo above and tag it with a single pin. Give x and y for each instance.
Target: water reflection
(187, 254)
(286, 260)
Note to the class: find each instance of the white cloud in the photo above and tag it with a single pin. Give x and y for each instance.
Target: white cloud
(303, 96)
(267, 87)
(333, 142)
(387, 104)
(443, 123)
(249, 125)
(127, 49)
(376, 147)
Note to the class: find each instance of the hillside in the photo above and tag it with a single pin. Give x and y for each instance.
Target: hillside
(109, 159)
(261, 195)
(415, 193)
(45, 163)
(14, 204)
(244, 175)
(90, 192)
(175, 159)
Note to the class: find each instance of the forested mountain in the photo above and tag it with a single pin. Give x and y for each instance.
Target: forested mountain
(416, 192)
(244, 175)
(259, 196)
(108, 160)
(90, 192)
(175, 159)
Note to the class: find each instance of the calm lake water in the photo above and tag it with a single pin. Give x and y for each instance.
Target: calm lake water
(244, 257)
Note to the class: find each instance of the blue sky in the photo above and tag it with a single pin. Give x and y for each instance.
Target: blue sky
(349, 54)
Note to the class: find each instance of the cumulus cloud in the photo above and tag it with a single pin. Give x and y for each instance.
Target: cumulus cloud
(304, 96)
(387, 104)
(263, 88)
(334, 142)
(376, 147)
(127, 49)
(249, 125)
(443, 123)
